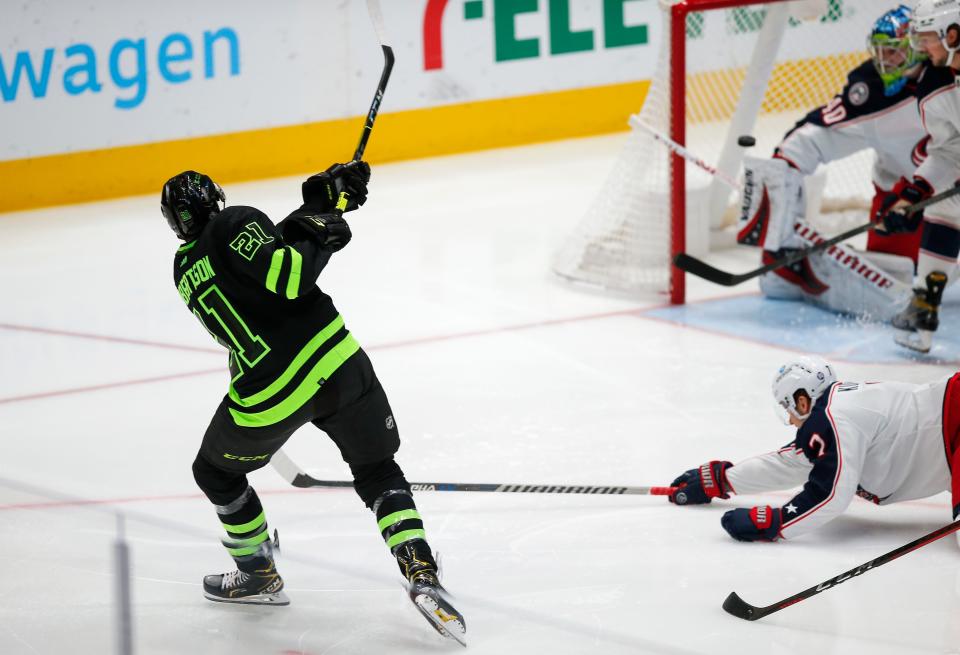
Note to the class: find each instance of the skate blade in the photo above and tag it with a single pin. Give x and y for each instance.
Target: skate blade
(447, 624)
(279, 598)
(918, 340)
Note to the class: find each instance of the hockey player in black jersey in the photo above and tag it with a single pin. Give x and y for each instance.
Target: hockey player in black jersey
(252, 285)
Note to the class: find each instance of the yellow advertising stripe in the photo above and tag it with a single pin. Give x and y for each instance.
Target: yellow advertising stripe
(299, 149)
(448, 129)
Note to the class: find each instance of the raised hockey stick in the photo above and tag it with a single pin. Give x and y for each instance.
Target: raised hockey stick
(744, 610)
(673, 146)
(376, 17)
(293, 474)
(704, 270)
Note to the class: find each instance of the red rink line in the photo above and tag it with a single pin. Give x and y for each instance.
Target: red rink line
(101, 337)
(384, 346)
(110, 385)
(395, 344)
(637, 312)
(60, 504)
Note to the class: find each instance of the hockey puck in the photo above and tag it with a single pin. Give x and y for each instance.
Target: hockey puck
(746, 141)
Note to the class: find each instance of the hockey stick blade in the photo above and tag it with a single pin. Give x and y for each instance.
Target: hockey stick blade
(293, 474)
(703, 270)
(741, 609)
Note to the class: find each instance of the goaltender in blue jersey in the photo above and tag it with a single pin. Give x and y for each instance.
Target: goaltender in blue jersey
(876, 110)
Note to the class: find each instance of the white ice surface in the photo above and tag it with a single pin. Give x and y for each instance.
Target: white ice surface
(495, 372)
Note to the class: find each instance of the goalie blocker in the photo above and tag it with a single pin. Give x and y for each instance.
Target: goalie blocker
(841, 278)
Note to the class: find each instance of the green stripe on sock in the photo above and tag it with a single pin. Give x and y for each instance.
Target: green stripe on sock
(293, 281)
(406, 535)
(396, 517)
(274, 273)
(248, 546)
(248, 526)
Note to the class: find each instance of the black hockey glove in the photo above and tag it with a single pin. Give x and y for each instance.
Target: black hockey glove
(321, 191)
(330, 232)
(898, 221)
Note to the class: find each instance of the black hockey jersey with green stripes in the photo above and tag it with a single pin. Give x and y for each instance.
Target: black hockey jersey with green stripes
(257, 296)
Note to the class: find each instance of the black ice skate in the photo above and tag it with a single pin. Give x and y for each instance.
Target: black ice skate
(916, 324)
(258, 587)
(426, 593)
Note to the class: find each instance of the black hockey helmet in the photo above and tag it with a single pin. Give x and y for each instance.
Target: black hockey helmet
(188, 201)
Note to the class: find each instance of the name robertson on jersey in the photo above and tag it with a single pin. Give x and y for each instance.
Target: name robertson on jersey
(193, 277)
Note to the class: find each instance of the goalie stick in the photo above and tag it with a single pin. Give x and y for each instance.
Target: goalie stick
(376, 17)
(701, 269)
(744, 610)
(293, 474)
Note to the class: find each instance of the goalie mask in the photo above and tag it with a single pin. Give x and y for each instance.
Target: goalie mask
(188, 201)
(812, 374)
(890, 48)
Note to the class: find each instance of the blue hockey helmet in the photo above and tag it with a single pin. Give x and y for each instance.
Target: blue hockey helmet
(188, 201)
(891, 50)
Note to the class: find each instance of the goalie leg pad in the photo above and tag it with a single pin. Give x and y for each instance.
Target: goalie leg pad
(840, 279)
(771, 202)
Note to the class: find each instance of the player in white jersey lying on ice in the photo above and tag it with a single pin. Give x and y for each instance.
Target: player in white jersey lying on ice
(886, 442)
(877, 109)
(935, 30)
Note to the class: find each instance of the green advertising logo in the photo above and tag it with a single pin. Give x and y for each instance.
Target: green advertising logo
(562, 39)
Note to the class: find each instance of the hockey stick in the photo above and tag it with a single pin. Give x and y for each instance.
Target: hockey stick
(744, 610)
(293, 474)
(672, 145)
(376, 17)
(701, 269)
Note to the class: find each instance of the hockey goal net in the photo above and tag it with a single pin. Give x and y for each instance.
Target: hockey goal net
(725, 68)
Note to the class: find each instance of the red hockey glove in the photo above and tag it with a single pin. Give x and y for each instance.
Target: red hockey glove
(891, 213)
(701, 485)
(754, 524)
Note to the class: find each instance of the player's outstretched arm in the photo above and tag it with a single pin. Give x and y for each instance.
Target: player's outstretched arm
(701, 485)
(831, 484)
(786, 468)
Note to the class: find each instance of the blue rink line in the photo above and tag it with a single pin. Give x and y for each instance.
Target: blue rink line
(799, 326)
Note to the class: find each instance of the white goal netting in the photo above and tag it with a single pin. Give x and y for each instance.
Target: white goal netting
(752, 69)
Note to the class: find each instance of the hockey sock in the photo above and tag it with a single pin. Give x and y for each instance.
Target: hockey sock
(939, 247)
(402, 530)
(398, 518)
(248, 540)
(385, 490)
